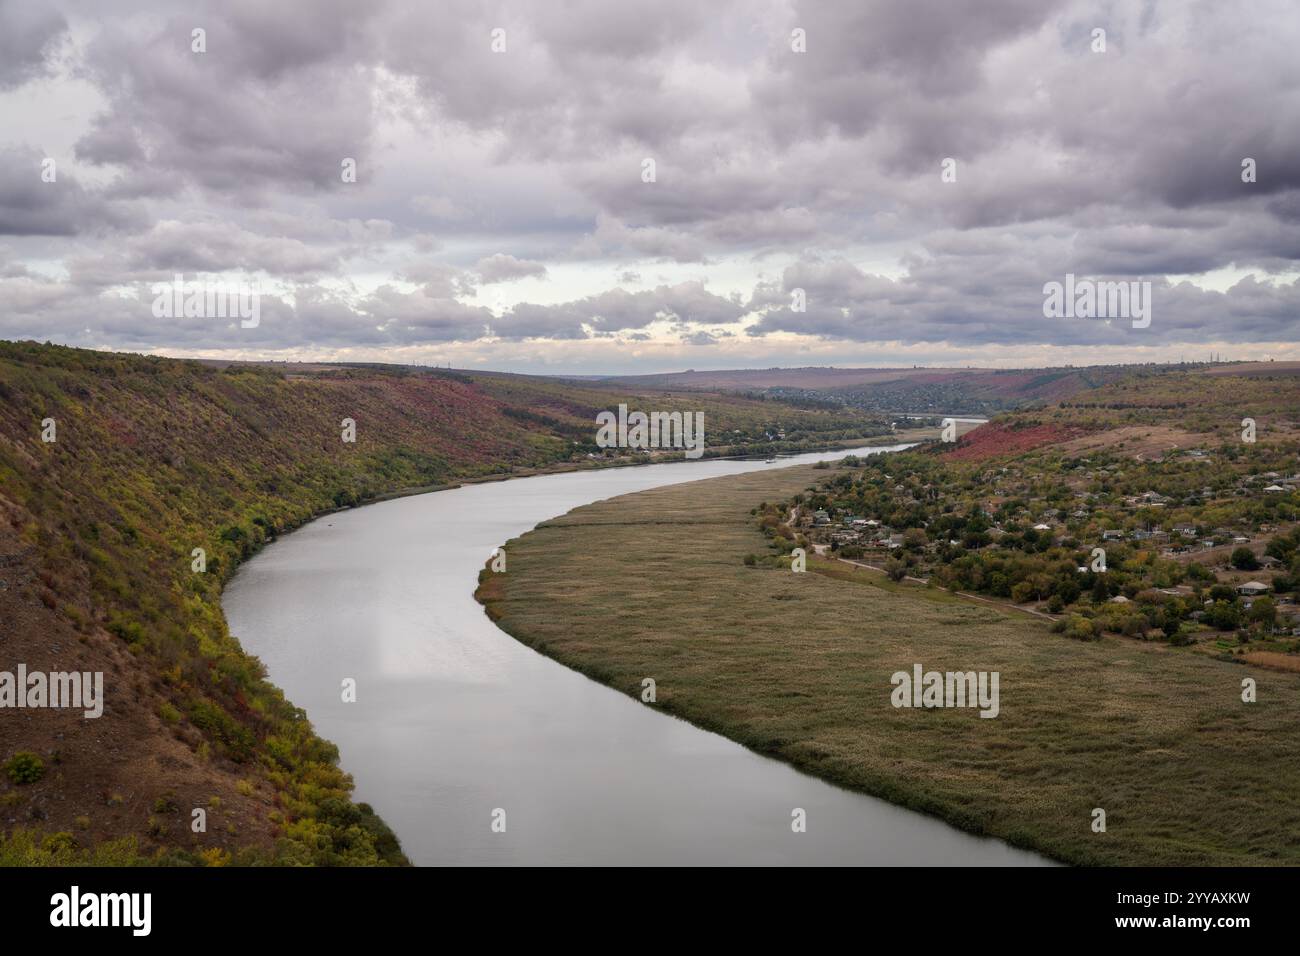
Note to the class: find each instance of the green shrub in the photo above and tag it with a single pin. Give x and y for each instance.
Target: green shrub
(165, 804)
(125, 628)
(216, 723)
(1078, 627)
(1243, 559)
(25, 767)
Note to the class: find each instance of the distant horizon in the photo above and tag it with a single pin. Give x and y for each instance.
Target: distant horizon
(703, 370)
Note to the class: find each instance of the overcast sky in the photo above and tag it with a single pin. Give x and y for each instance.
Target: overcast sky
(500, 216)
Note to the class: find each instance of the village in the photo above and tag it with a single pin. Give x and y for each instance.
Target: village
(1197, 547)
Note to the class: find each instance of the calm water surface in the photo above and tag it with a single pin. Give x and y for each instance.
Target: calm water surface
(455, 718)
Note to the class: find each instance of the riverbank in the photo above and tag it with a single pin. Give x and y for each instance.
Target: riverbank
(135, 486)
(798, 667)
(724, 453)
(455, 719)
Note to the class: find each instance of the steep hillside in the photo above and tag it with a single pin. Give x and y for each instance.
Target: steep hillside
(1150, 415)
(154, 458)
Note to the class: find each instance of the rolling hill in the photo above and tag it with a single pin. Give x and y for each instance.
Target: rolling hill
(958, 391)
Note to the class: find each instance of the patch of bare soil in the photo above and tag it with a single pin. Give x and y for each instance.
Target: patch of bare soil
(125, 772)
(1146, 441)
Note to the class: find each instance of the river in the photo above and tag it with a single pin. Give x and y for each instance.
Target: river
(454, 719)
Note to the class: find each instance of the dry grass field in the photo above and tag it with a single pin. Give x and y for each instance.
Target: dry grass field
(797, 666)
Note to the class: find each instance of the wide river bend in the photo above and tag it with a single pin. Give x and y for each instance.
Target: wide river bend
(455, 719)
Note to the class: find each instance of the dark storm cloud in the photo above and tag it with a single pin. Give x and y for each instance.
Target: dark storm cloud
(486, 172)
(867, 61)
(278, 99)
(994, 300)
(411, 318)
(28, 34)
(589, 75)
(218, 247)
(34, 205)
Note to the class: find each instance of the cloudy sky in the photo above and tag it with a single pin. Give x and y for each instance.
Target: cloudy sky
(501, 215)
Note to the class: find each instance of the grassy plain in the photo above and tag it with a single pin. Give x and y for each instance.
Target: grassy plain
(798, 667)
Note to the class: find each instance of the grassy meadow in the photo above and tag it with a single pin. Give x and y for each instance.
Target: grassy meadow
(797, 667)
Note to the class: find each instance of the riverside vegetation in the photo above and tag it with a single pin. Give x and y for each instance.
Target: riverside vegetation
(154, 458)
